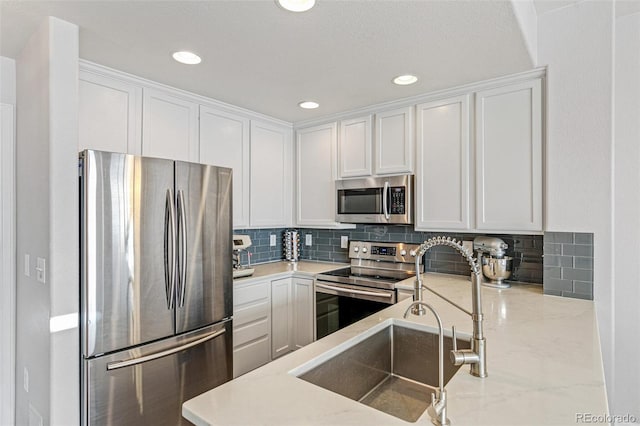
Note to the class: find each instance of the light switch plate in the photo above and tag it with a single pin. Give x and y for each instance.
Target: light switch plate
(27, 265)
(344, 241)
(272, 240)
(41, 270)
(468, 245)
(308, 240)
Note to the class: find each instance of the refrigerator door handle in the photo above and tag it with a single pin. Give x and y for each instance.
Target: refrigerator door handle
(182, 235)
(169, 249)
(161, 354)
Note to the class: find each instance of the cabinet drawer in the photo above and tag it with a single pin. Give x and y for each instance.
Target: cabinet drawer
(250, 293)
(253, 331)
(251, 356)
(251, 313)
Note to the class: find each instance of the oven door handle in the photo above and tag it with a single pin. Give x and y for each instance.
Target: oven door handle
(354, 291)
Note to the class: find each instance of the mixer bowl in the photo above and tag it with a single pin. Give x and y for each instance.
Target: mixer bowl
(497, 270)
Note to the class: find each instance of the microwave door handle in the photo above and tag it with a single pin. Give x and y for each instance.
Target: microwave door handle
(385, 203)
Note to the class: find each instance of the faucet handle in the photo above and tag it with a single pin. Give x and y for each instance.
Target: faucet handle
(455, 343)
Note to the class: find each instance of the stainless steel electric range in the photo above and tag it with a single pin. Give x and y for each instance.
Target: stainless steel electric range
(346, 295)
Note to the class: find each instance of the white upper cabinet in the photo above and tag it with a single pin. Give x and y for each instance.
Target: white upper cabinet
(442, 176)
(110, 114)
(169, 127)
(354, 147)
(394, 141)
(224, 141)
(271, 170)
(509, 157)
(315, 176)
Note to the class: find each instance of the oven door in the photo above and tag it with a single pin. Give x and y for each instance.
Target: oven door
(340, 305)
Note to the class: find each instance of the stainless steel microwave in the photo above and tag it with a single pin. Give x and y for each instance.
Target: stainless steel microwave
(375, 200)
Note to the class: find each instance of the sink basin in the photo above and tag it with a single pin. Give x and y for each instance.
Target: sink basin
(393, 367)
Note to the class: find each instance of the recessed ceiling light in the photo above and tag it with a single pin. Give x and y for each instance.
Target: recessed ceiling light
(296, 5)
(308, 105)
(188, 58)
(403, 80)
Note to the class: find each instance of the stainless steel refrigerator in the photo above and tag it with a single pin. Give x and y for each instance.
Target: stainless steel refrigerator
(156, 297)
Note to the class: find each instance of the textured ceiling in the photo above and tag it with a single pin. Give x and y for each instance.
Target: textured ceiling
(342, 54)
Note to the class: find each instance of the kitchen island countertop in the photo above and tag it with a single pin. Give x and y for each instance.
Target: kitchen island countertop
(543, 359)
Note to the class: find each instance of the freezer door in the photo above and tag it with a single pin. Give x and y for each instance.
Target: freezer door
(147, 385)
(126, 232)
(203, 211)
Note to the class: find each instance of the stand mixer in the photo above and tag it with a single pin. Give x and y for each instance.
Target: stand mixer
(241, 243)
(496, 267)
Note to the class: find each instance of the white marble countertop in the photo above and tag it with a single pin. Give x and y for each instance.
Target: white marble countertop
(273, 270)
(543, 360)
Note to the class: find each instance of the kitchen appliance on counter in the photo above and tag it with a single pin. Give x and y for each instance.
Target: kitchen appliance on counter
(376, 200)
(240, 244)
(496, 266)
(155, 295)
(346, 295)
(291, 245)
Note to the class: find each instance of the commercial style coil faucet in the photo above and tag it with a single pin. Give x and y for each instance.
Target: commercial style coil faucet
(476, 356)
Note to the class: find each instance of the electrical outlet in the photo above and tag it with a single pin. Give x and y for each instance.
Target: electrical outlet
(308, 240)
(468, 245)
(27, 265)
(41, 270)
(344, 241)
(272, 240)
(25, 379)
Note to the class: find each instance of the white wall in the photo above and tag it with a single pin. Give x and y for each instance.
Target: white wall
(7, 239)
(47, 223)
(627, 216)
(576, 43)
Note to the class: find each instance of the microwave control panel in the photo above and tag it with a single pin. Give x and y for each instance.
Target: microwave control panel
(397, 200)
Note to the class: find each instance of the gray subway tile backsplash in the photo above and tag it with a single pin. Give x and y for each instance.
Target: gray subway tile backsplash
(569, 255)
(566, 269)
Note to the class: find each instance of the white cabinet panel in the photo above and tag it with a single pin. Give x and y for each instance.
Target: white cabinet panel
(354, 147)
(271, 171)
(394, 141)
(281, 317)
(169, 127)
(224, 141)
(442, 178)
(509, 158)
(315, 192)
(303, 312)
(110, 114)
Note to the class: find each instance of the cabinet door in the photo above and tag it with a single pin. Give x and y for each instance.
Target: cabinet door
(110, 115)
(169, 127)
(354, 147)
(224, 141)
(394, 141)
(271, 171)
(315, 192)
(509, 158)
(442, 187)
(303, 312)
(281, 317)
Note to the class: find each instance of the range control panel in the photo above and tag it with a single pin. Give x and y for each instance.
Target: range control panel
(388, 252)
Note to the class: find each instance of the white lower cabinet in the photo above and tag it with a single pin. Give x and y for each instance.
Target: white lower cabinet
(303, 312)
(292, 314)
(282, 317)
(251, 326)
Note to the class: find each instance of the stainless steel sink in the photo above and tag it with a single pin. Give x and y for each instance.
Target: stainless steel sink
(393, 368)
